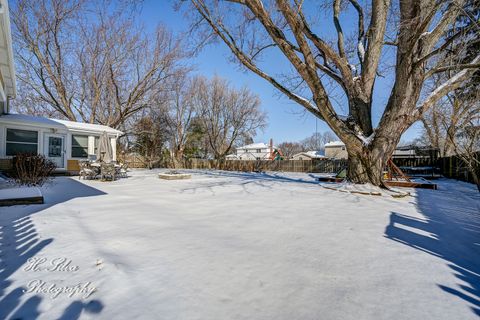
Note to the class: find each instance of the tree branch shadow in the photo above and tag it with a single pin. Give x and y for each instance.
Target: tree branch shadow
(20, 241)
(450, 231)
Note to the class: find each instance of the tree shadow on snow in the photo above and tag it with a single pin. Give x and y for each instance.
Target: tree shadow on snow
(452, 218)
(20, 241)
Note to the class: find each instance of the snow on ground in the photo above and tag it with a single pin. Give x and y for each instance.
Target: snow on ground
(19, 193)
(229, 245)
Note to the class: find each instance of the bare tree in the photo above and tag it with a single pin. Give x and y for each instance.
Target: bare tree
(179, 112)
(444, 121)
(89, 61)
(318, 140)
(289, 149)
(313, 142)
(42, 45)
(149, 138)
(413, 29)
(453, 123)
(467, 148)
(327, 137)
(226, 114)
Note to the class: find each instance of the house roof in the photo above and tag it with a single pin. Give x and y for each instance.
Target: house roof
(414, 147)
(315, 154)
(7, 66)
(334, 144)
(259, 145)
(57, 124)
(311, 154)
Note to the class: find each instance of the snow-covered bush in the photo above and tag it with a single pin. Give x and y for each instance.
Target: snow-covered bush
(31, 169)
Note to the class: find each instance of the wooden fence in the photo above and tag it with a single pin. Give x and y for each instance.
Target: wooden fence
(137, 161)
(416, 162)
(451, 167)
(454, 167)
(321, 165)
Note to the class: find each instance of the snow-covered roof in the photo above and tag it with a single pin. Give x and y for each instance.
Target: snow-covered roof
(315, 154)
(334, 144)
(87, 126)
(57, 124)
(259, 145)
(311, 154)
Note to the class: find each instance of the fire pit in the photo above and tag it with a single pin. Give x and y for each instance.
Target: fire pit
(174, 175)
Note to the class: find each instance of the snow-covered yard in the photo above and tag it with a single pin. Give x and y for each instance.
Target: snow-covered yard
(228, 245)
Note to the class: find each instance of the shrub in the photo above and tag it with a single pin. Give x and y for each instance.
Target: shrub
(31, 169)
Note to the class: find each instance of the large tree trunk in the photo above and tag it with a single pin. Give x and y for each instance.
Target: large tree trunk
(367, 162)
(177, 158)
(366, 167)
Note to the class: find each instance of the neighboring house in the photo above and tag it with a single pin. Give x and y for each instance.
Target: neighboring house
(412, 151)
(7, 67)
(254, 151)
(336, 150)
(308, 155)
(64, 142)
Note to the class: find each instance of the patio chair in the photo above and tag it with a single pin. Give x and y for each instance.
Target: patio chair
(86, 171)
(107, 171)
(123, 170)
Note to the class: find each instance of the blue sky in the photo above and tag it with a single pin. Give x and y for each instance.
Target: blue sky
(287, 121)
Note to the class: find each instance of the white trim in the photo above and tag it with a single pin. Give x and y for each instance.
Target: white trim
(64, 151)
(71, 145)
(44, 127)
(4, 144)
(5, 16)
(70, 126)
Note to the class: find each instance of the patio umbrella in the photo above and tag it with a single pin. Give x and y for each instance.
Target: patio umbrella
(104, 150)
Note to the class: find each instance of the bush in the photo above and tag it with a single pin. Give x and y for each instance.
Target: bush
(31, 169)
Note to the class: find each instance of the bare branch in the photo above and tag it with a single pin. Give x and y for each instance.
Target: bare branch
(446, 87)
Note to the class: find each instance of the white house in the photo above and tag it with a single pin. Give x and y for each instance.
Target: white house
(336, 150)
(7, 66)
(64, 142)
(254, 151)
(308, 155)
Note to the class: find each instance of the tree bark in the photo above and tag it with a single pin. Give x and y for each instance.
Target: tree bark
(366, 167)
(311, 57)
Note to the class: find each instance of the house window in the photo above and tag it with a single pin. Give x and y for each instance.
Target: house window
(258, 158)
(79, 146)
(259, 150)
(21, 141)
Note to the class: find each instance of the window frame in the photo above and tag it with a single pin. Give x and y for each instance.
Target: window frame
(72, 146)
(20, 142)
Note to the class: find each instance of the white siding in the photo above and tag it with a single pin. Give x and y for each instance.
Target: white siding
(42, 132)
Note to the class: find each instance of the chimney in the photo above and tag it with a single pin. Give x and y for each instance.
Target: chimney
(271, 149)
